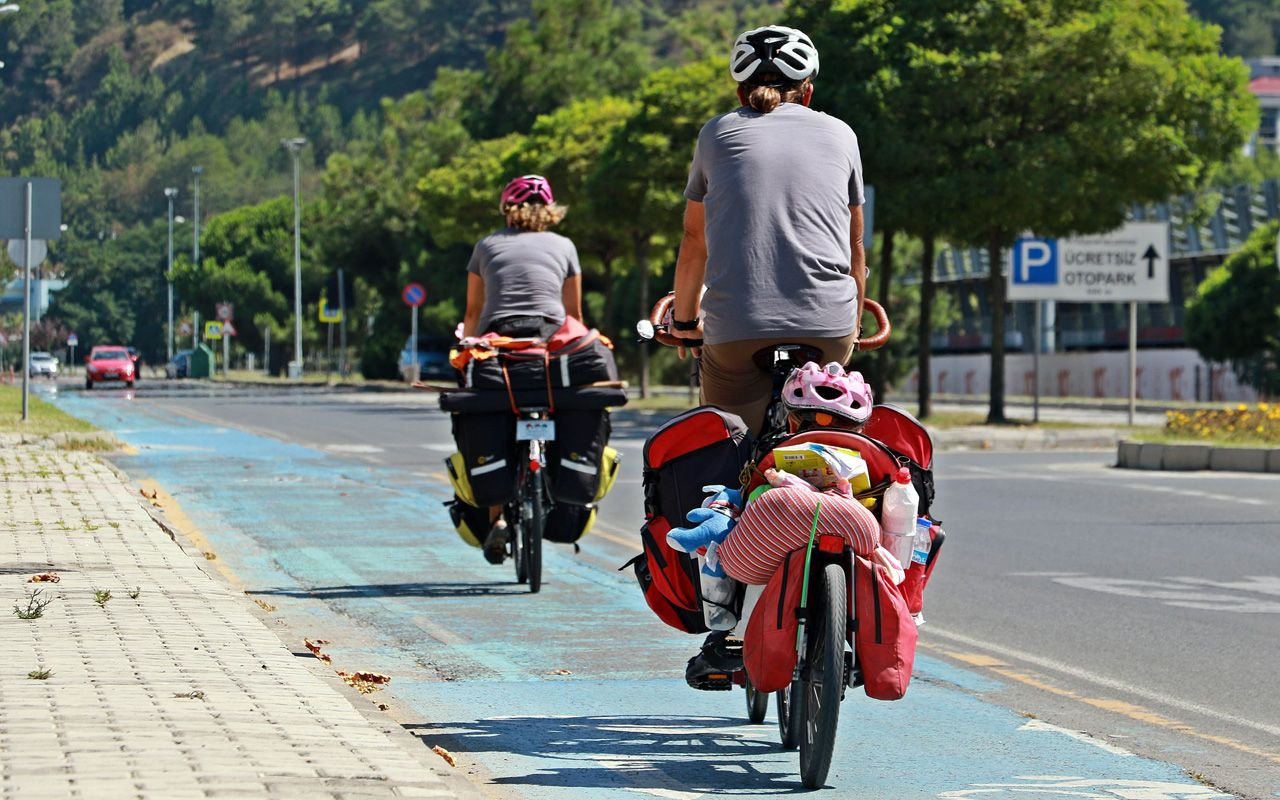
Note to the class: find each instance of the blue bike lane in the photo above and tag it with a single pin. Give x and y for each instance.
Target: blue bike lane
(578, 688)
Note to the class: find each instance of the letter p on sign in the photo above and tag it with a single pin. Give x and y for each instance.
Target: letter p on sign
(1035, 261)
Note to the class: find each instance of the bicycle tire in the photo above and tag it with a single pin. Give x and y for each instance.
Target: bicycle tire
(533, 530)
(515, 520)
(757, 703)
(824, 685)
(789, 715)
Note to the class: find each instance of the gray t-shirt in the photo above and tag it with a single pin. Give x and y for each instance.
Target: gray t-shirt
(777, 189)
(524, 274)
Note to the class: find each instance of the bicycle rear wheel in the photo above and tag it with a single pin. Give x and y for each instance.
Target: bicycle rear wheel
(757, 703)
(824, 686)
(518, 556)
(534, 513)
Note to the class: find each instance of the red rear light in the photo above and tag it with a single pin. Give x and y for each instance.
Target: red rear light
(830, 543)
(534, 465)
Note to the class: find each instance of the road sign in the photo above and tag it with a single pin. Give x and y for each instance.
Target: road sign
(184, 328)
(226, 311)
(228, 329)
(18, 251)
(330, 314)
(46, 208)
(1127, 265)
(72, 340)
(213, 330)
(414, 295)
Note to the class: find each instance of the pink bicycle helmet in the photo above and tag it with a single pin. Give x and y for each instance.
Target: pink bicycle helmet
(828, 389)
(527, 189)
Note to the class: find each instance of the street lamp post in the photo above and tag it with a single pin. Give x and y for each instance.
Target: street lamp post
(294, 146)
(196, 172)
(170, 193)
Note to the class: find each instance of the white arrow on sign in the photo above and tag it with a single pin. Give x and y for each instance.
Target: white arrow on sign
(18, 252)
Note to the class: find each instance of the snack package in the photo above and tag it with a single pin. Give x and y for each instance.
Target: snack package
(824, 466)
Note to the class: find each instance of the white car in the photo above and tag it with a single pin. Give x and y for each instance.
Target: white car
(44, 364)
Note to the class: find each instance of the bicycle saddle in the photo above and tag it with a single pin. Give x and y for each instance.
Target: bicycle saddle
(788, 355)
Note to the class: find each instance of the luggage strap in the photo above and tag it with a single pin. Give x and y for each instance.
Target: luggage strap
(511, 395)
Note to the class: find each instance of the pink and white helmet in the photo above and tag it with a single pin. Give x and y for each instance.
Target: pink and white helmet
(829, 389)
(527, 189)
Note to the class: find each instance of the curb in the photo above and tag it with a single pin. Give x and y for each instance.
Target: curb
(1188, 457)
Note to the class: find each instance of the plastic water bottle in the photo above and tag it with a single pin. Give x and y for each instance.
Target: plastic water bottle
(717, 595)
(923, 541)
(898, 513)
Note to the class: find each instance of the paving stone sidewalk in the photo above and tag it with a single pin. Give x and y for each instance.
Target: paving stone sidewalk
(178, 692)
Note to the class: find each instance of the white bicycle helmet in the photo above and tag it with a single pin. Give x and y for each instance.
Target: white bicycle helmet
(828, 389)
(773, 49)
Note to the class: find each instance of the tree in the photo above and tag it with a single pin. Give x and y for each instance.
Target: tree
(1235, 314)
(1051, 116)
(639, 180)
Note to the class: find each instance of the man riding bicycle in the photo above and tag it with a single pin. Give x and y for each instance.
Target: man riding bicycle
(773, 231)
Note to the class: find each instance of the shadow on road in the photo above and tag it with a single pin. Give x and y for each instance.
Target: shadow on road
(399, 590)
(650, 754)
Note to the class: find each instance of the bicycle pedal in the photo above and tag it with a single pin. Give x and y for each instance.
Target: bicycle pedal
(714, 682)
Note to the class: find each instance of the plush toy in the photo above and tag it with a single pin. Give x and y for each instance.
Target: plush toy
(712, 523)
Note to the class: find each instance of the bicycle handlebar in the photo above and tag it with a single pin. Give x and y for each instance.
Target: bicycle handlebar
(658, 326)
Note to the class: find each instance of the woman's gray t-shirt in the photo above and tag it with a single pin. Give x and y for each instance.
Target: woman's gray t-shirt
(524, 274)
(777, 189)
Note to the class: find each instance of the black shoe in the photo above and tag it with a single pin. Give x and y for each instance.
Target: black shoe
(712, 669)
(495, 544)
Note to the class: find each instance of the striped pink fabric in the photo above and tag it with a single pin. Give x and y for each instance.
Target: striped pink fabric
(778, 521)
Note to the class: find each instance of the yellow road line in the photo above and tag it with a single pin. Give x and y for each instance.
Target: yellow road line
(1119, 707)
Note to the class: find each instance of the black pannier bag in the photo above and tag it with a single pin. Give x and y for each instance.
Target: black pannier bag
(574, 457)
(567, 522)
(486, 443)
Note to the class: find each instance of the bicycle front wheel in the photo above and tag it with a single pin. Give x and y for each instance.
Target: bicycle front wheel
(788, 702)
(534, 515)
(824, 686)
(757, 703)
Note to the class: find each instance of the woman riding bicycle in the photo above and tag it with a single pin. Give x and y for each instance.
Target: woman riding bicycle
(523, 280)
(772, 227)
(773, 231)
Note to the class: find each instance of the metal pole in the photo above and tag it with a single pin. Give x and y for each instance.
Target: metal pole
(1133, 360)
(26, 309)
(342, 324)
(195, 219)
(413, 347)
(169, 275)
(195, 329)
(1035, 368)
(226, 356)
(328, 356)
(266, 352)
(295, 146)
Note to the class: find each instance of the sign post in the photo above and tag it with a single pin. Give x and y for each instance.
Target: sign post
(414, 295)
(72, 341)
(1127, 265)
(342, 324)
(30, 210)
(225, 313)
(328, 316)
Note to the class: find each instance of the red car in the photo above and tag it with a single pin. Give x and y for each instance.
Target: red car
(110, 363)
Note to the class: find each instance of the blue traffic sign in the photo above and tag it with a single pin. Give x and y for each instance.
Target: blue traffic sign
(1035, 261)
(414, 294)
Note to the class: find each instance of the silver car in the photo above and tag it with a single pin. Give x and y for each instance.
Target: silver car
(44, 364)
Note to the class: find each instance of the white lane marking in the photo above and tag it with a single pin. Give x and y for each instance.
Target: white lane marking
(353, 449)
(443, 448)
(1141, 487)
(1100, 680)
(1080, 736)
(1091, 789)
(1172, 592)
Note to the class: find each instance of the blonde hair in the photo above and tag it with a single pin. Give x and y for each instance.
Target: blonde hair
(766, 98)
(534, 216)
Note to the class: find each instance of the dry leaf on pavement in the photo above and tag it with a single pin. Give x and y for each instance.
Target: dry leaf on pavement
(446, 755)
(314, 647)
(44, 577)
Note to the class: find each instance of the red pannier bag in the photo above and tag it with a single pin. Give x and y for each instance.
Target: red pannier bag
(769, 644)
(884, 632)
(701, 447)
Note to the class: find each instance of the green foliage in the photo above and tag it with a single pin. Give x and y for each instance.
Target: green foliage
(1235, 314)
(1249, 27)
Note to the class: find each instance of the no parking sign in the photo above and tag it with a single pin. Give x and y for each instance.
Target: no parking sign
(414, 294)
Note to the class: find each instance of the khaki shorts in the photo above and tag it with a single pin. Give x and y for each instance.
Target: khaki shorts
(733, 382)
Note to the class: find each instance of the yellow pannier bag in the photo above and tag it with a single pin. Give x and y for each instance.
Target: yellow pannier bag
(610, 466)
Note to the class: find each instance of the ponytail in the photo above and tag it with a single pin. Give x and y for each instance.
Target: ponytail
(764, 98)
